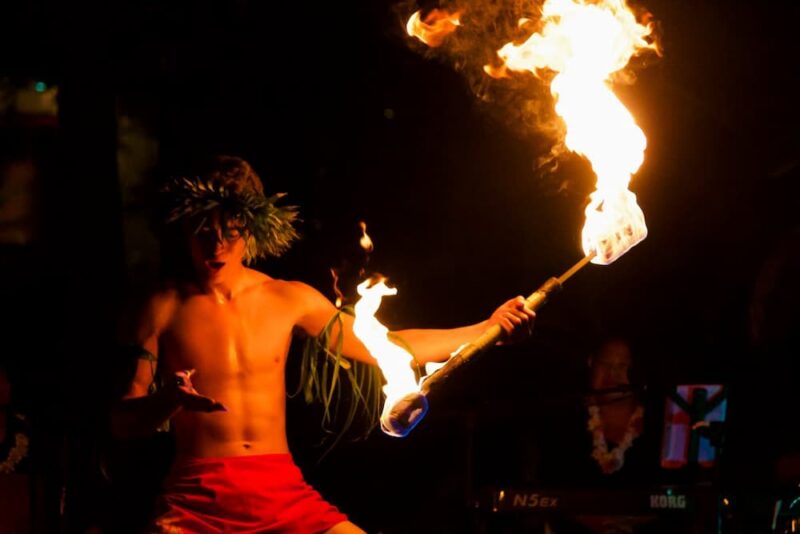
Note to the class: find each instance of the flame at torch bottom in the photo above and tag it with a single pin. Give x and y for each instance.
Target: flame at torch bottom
(404, 415)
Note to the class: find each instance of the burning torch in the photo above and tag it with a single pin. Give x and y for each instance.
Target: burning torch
(614, 224)
(583, 45)
(407, 412)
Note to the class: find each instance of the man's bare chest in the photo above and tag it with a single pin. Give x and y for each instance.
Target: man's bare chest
(228, 336)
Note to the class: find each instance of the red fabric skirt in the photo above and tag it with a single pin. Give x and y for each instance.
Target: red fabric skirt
(246, 494)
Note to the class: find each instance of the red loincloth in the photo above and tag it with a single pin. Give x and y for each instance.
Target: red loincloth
(247, 494)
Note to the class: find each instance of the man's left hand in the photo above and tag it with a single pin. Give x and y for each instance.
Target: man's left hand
(515, 318)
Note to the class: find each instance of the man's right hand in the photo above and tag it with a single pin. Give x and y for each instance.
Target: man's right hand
(190, 399)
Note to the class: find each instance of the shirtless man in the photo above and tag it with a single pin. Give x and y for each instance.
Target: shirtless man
(222, 336)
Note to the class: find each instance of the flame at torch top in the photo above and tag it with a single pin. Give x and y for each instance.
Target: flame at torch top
(585, 44)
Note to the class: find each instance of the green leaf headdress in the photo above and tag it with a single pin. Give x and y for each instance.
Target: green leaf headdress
(269, 228)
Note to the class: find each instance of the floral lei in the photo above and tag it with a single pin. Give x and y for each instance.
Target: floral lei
(16, 454)
(613, 460)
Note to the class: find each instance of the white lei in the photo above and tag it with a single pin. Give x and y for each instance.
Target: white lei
(613, 460)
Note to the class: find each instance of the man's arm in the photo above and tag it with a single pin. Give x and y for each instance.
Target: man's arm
(428, 344)
(139, 415)
(435, 345)
(141, 411)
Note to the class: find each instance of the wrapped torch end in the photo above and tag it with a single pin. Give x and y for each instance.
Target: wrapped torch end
(406, 413)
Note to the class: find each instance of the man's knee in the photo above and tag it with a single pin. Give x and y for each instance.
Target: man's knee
(345, 528)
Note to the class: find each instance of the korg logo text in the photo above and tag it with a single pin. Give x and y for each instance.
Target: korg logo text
(668, 502)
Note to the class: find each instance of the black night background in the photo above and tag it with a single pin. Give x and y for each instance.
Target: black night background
(332, 103)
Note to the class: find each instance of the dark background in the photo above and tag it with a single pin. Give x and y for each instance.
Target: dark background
(330, 104)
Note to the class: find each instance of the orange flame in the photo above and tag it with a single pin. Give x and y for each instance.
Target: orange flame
(585, 44)
(437, 25)
(365, 241)
(336, 290)
(393, 360)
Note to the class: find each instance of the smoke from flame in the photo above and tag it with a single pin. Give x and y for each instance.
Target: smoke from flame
(525, 103)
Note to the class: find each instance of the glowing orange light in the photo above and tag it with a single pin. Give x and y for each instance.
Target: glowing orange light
(437, 25)
(365, 241)
(336, 290)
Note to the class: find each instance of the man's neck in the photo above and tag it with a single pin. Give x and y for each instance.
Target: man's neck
(226, 289)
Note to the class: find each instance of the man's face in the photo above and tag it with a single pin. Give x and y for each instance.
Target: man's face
(611, 366)
(217, 250)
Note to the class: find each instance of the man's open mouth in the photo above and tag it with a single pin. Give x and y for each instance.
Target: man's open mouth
(216, 265)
